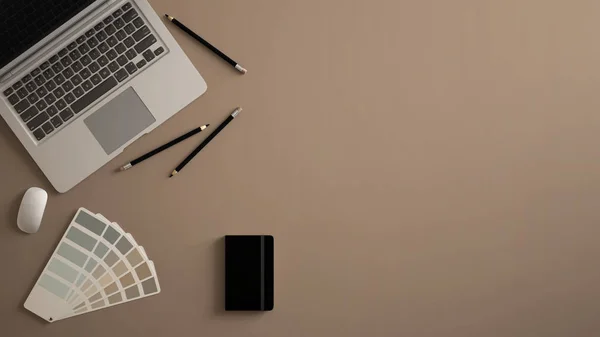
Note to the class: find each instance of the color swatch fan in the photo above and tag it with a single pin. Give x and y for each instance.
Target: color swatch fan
(96, 265)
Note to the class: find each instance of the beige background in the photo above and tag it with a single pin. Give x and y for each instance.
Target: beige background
(427, 168)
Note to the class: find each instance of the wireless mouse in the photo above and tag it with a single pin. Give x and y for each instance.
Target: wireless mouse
(31, 210)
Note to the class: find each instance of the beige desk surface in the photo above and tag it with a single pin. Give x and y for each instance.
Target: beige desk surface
(427, 168)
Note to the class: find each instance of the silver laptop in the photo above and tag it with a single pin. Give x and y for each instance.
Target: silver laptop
(80, 80)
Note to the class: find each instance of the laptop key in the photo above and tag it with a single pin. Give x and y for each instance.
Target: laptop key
(129, 28)
(63, 52)
(94, 94)
(33, 98)
(41, 91)
(92, 42)
(66, 61)
(141, 33)
(86, 60)
(75, 55)
(120, 48)
(141, 64)
(59, 92)
(39, 134)
(56, 121)
(96, 79)
(66, 114)
(72, 46)
(131, 68)
(89, 33)
(113, 66)
(119, 23)
(67, 86)
(29, 114)
(103, 47)
(87, 85)
(85, 73)
(78, 92)
(101, 36)
(122, 60)
(45, 65)
(104, 72)
(50, 98)
(94, 67)
(26, 78)
(53, 59)
(129, 41)
(50, 85)
(94, 54)
(117, 13)
(130, 15)
(22, 93)
(102, 61)
(112, 54)
(111, 41)
(126, 6)
(77, 66)
(121, 35)
(56, 68)
(131, 54)
(31, 86)
(145, 43)
(110, 29)
(59, 79)
(47, 127)
(37, 121)
(108, 20)
(13, 99)
(21, 106)
(35, 72)
(76, 80)
(99, 26)
(51, 111)
(69, 98)
(67, 73)
(8, 92)
(17, 85)
(121, 75)
(41, 105)
(40, 80)
(60, 104)
(138, 22)
(148, 55)
(80, 39)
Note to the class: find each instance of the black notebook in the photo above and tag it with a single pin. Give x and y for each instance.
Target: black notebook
(249, 272)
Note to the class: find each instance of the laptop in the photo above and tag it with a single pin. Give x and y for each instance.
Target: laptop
(80, 80)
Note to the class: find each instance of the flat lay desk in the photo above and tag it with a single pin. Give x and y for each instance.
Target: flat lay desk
(427, 168)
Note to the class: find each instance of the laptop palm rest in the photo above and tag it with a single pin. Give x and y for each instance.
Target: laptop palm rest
(119, 120)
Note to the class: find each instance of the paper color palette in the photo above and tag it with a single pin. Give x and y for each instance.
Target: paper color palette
(95, 265)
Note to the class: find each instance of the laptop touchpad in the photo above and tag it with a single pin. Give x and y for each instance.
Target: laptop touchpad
(119, 120)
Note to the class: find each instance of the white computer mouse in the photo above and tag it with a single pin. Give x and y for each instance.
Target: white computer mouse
(32, 210)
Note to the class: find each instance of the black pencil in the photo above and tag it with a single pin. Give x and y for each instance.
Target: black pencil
(162, 148)
(214, 49)
(206, 141)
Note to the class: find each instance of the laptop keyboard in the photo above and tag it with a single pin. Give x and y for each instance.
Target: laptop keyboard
(65, 84)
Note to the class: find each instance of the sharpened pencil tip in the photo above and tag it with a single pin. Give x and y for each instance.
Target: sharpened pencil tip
(241, 69)
(173, 173)
(169, 17)
(125, 167)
